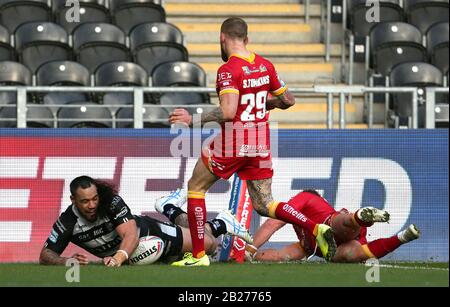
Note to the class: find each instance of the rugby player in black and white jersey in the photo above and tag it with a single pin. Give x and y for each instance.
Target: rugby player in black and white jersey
(100, 222)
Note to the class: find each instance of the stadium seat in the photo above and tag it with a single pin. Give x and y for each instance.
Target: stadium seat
(424, 13)
(156, 43)
(88, 115)
(390, 10)
(180, 74)
(13, 73)
(62, 73)
(394, 43)
(185, 99)
(13, 13)
(99, 43)
(90, 11)
(120, 74)
(416, 74)
(129, 13)
(153, 117)
(6, 49)
(38, 116)
(437, 44)
(41, 42)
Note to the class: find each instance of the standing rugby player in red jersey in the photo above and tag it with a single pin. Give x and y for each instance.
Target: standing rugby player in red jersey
(243, 147)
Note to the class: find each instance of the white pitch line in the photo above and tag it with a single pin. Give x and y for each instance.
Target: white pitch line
(407, 267)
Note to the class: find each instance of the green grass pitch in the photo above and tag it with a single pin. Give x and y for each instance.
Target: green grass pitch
(230, 275)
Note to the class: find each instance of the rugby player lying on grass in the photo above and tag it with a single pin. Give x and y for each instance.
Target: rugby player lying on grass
(349, 229)
(100, 222)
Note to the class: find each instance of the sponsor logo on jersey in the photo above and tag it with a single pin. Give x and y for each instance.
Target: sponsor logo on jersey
(262, 68)
(53, 236)
(224, 76)
(122, 213)
(249, 71)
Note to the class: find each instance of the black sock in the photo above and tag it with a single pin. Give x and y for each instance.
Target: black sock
(172, 212)
(218, 227)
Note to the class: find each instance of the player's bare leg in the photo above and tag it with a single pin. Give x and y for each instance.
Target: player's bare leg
(290, 252)
(261, 195)
(344, 227)
(347, 226)
(353, 251)
(350, 252)
(210, 240)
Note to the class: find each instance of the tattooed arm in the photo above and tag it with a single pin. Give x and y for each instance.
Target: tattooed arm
(50, 257)
(226, 112)
(284, 101)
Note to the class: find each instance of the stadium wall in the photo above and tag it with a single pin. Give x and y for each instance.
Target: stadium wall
(403, 171)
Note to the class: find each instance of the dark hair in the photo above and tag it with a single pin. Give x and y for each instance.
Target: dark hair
(105, 191)
(235, 27)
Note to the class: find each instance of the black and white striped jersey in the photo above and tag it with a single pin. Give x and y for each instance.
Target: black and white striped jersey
(99, 238)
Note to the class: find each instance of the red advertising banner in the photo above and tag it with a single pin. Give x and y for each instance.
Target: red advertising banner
(35, 173)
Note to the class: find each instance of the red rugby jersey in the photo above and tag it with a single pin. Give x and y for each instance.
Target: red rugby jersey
(252, 79)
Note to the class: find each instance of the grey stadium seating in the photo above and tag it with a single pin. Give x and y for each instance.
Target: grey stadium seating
(13, 13)
(41, 42)
(120, 74)
(416, 74)
(85, 116)
(180, 74)
(156, 43)
(437, 44)
(424, 13)
(129, 13)
(98, 43)
(394, 43)
(6, 49)
(90, 11)
(38, 116)
(63, 73)
(13, 73)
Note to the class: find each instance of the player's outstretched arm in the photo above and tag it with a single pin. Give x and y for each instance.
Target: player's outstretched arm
(266, 230)
(226, 112)
(292, 252)
(284, 101)
(130, 239)
(49, 257)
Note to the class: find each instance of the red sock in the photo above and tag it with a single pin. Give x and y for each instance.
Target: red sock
(381, 247)
(359, 222)
(290, 214)
(197, 218)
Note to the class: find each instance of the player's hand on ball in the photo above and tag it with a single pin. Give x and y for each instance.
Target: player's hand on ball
(81, 258)
(180, 116)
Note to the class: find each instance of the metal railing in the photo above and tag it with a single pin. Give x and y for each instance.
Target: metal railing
(328, 91)
(325, 21)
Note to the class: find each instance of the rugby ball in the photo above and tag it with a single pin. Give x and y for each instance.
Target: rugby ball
(149, 250)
